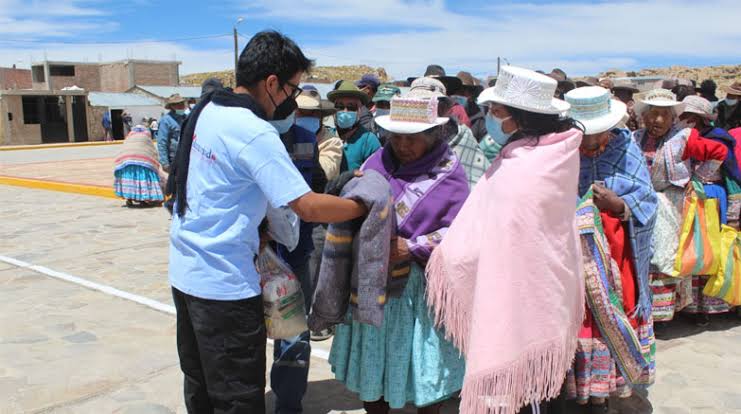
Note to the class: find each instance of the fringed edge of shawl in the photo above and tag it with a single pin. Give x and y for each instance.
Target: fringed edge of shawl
(536, 376)
(448, 310)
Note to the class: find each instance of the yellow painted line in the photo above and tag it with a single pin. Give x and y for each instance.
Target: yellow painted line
(60, 145)
(92, 190)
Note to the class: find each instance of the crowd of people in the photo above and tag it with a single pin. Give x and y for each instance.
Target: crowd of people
(514, 246)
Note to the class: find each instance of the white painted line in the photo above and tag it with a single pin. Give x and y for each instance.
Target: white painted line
(109, 290)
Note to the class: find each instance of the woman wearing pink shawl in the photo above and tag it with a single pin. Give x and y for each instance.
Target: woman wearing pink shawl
(506, 281)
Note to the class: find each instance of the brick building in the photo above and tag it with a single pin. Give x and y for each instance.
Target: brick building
(118, 76)
(64, 101)
(12, 78)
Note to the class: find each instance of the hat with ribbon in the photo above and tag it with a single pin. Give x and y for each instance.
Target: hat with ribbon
(658, 98)
(595, 109)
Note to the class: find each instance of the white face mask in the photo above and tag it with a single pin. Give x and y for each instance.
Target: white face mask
(731, 102)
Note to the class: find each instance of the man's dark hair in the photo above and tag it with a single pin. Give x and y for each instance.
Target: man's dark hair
(270, 53)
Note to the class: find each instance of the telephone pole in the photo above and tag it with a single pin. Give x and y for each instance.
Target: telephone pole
(236, 48)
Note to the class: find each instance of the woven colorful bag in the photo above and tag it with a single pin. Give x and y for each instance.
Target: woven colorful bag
(699, 240)
(726, 283)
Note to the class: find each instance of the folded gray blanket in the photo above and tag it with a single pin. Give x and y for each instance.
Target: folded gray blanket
(355, 262)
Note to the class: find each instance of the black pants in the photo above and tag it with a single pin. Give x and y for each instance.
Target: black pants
(221, 345)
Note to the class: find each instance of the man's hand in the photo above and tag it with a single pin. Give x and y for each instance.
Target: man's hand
(166, 168)
(334, 187)
(606, 200)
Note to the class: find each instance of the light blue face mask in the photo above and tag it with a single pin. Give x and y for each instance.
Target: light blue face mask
(731, 102)
(283, 125)
(345, 119)
(382, 112)
(309, 123)
(180, 111)
(460, 99)
(494, 128)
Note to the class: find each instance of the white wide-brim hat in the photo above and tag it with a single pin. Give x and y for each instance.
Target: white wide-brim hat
(595, 109)
(661, 98)
(406, 128)
(525, 89)
(419, 103)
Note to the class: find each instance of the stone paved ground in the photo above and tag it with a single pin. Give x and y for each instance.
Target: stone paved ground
(79, 165)
(67, 349)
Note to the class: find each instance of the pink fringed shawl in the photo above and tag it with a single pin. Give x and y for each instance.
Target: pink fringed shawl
(506, 282)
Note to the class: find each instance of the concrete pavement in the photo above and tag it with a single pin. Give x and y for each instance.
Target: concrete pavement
(68, 349)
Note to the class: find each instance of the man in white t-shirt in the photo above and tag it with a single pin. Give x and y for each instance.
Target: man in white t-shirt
(230, 164)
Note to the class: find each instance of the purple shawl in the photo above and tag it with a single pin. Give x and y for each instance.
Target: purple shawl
(428, 194)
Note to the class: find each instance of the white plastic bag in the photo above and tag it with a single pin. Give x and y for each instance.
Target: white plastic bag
(282, 297)
(283, 226)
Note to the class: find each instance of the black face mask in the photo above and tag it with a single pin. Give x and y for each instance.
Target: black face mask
(285, 109)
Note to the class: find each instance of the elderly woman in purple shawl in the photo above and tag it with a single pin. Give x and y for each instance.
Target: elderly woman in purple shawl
(408, 360)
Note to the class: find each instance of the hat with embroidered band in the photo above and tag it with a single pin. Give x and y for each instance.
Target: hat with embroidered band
(594, 108)
(659, 98)
(698, 105)
(311, 100)
(524, 89)
(411, 113)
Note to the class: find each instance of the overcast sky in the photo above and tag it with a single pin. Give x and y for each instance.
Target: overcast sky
(402, 36)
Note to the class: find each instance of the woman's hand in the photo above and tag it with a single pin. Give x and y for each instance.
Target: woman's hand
(399, 250)
(606, 200)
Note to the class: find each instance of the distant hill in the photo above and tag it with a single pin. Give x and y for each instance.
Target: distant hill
(722, 75)
(320, 74)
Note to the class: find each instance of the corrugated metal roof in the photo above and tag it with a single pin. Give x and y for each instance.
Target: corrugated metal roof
(166, 91)
(120, 100)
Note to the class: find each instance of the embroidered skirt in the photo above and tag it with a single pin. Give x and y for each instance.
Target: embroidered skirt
(595, 372)
(406, 360)
(702, 304)
(138, 183)
(670, 295)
